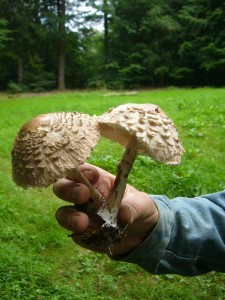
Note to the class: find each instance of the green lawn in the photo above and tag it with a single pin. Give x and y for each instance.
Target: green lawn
(38, 260)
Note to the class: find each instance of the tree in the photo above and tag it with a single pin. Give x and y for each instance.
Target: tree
(54, 43)
(4, 33)
(22, 38)
(99, 12)
(61, 8)
(144, 37)
(203, 47)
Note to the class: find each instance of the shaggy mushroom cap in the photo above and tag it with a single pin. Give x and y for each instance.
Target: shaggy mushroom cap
(50, 145)
(156, 135)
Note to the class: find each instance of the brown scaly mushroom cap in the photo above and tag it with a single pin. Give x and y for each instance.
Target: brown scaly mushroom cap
(156, 135)
(50, 145)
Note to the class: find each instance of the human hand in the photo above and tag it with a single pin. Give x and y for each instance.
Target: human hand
(137, 210)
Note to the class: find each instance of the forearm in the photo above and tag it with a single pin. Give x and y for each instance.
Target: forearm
(189, 238)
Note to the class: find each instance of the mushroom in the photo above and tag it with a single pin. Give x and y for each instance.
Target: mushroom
(141, 128)
(52, 146)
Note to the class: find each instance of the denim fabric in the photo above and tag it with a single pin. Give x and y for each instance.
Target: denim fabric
(189, 238)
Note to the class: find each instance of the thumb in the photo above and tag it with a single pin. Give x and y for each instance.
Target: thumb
(127, 213)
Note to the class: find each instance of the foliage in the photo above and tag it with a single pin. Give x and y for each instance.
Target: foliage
(39, 261)
(141, 44)
(203, 49)
(4, 33)
(15, 88)
(146, 56)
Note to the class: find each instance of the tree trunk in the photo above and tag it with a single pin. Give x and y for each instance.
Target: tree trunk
(61, 71)
(20, 70)
(61, 68)
(106, 32)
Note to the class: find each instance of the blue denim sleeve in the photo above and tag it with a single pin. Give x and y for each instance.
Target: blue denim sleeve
(189, 238)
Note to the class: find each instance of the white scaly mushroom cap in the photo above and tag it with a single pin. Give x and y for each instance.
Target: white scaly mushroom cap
(155, 133)
(50, 145)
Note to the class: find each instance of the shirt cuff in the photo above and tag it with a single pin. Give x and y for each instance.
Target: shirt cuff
(148, 254)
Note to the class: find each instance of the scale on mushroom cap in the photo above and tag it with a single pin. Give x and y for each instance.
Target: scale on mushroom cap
(52, 146)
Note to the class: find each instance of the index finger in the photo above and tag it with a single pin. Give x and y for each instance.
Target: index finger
(71, 190)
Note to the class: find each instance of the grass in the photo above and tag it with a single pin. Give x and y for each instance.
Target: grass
(39, 261)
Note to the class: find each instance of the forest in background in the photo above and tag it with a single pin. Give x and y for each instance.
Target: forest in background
(56, 44)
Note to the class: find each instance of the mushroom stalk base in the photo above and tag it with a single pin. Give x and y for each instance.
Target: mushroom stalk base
(100, 233)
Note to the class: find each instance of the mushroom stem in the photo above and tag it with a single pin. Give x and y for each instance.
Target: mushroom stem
(115, 198)
(95, 195)
(110, 208)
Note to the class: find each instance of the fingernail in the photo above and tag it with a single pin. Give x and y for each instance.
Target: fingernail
(73, 193)
(73, 221)
(88, 174)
